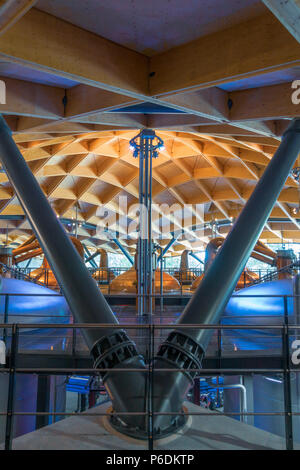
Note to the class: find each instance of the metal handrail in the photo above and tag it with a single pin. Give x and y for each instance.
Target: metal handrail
(183, 276)
(19, 274)
(283, 328)
(12, 370)
(273, 275)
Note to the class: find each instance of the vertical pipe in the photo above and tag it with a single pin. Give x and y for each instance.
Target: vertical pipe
(145, 275)
(140, 240)
(161, 281)
(150, 273)
(150, 388)
(145, 272)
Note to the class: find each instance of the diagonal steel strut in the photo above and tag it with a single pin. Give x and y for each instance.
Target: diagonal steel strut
(184, 348)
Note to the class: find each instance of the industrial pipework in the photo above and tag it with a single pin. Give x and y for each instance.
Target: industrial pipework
(260, 252)
(145, 147)
(185, 347)
(110, 347)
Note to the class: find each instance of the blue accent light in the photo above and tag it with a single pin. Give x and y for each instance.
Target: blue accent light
(250, 307)
(138, 142)
(32, 303)
(79, 384)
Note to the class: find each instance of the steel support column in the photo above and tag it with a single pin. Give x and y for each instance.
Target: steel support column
(145, 146)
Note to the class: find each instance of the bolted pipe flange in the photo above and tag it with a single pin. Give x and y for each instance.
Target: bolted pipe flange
(182, 352)
(113, 350)
(176, 423)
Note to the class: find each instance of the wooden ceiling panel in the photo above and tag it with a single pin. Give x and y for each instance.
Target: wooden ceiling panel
(219, 95)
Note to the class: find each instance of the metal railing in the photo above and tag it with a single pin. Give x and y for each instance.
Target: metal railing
(284, 330)
(19, 273)
(290, 269)
(186, 277)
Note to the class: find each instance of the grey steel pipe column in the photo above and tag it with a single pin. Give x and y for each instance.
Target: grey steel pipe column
(184, 348)
(110, 347)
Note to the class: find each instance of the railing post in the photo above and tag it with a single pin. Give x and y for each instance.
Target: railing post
(150, 387)
(11, 387)
(161, 282)
(6, 306)
(287, 380)
(180, 280)
(219, 346)
(74, 337)
(196, 391)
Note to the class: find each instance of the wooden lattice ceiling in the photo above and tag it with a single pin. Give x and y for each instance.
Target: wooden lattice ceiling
(220, 102)
(94, 169)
